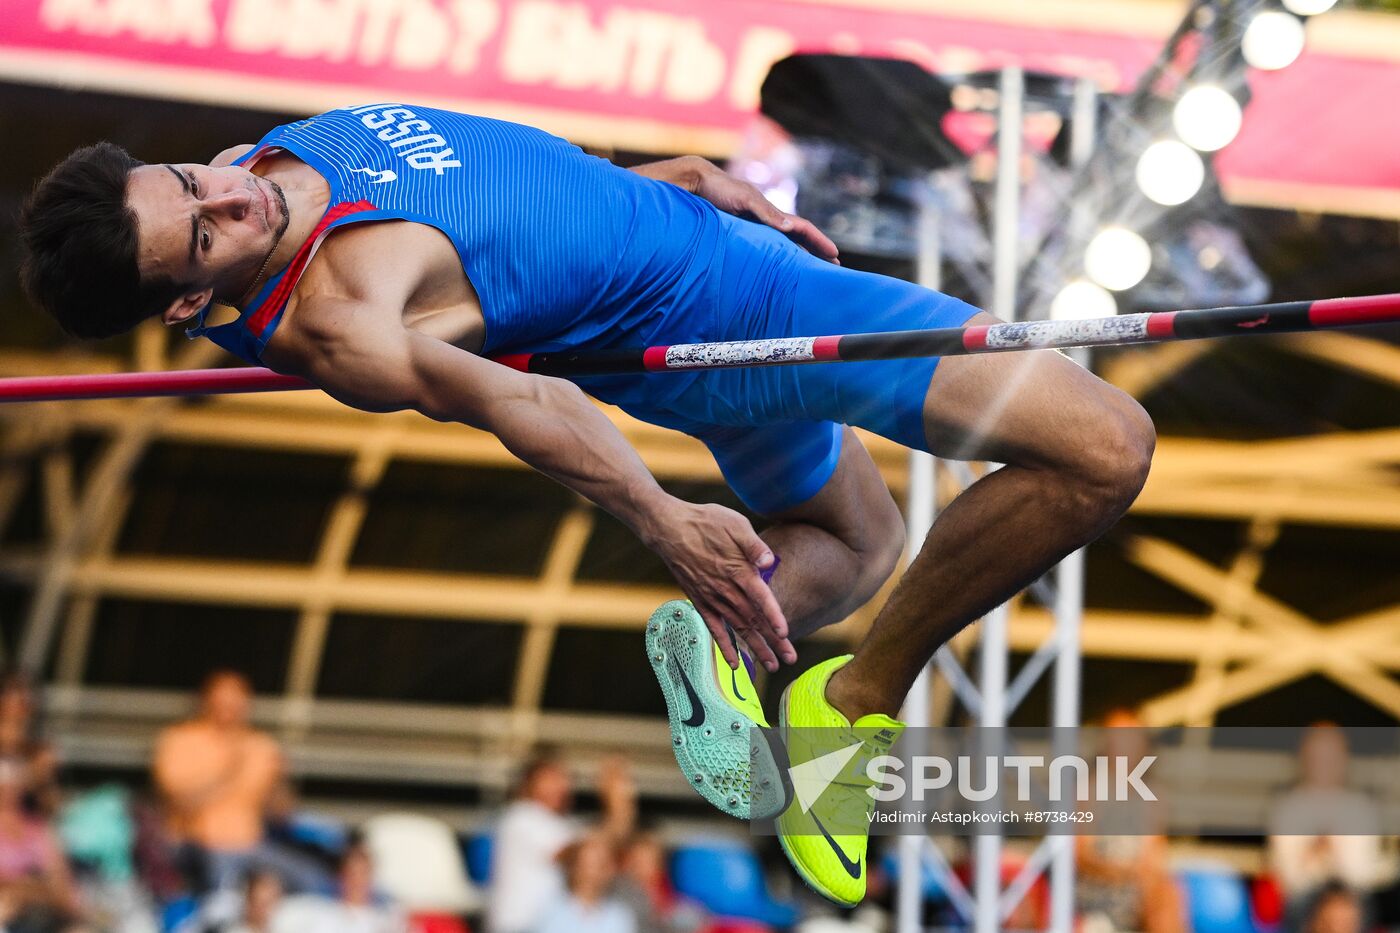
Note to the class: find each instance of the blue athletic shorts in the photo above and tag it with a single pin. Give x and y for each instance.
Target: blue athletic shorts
(775, 431)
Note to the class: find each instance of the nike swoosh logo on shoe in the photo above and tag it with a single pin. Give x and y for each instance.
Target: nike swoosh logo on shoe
(852, 868)
(733, 672)
(697, 711)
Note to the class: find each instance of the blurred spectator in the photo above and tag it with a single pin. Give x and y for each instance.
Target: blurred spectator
(262, 896)
(1336, 909)
(1127, 879)
(590, 866)
(155, 859)
(1312, 843)
(97, 832)
(645, 888)
(37, 894)
(286, 826)
(215, 774)
(22, 740)
(527, 880)
(355, 911)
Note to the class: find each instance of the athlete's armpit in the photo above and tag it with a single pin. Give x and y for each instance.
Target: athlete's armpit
(364, 357)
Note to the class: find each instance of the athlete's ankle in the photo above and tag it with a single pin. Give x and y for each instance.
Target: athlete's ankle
(850, 695)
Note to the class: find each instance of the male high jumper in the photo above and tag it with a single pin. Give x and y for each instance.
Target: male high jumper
(458, 238)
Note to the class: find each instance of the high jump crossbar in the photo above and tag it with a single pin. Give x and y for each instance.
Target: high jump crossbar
(1124, 330)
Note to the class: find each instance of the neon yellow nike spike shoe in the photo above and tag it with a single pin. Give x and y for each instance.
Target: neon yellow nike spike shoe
(713, 711)
(825, 829)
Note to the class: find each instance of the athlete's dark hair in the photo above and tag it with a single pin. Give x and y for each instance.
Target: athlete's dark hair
(78, 242)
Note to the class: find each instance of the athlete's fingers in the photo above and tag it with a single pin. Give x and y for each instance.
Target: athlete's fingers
(811, 238)
(800, 229)
(720, 631)
(782, 648)
(760, 208)
(764, 609)
(785, 651)
(722, 612)
(758, 647)
(738, 613)
(760, 596)
(754, 591)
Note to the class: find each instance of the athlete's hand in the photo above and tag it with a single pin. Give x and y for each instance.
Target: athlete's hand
(736, 196)
(715, 556)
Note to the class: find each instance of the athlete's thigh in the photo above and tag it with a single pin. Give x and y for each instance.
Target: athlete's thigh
(885, 397)
(771, 466)
(1030, 407)
(774, 468)
(854, 505)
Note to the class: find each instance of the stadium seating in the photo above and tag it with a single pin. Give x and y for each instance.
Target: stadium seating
(478, 851)
(419, 865)
(1217, 898)
(728, 881)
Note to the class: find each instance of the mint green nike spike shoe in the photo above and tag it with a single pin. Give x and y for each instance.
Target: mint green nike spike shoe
(714, 712)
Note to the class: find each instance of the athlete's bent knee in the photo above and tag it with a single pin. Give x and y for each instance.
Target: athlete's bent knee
(881, 546)
(881, 561)
(1114, 467)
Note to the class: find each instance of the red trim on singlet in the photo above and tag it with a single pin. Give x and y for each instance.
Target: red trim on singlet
(260, 317)
(251, 158)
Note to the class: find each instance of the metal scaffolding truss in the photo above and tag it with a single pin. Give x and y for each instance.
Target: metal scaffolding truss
(990, 699)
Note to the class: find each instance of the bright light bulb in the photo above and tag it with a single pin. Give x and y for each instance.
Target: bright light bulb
(1309, 7)
(1117, 258)
(1081, 300)
(1170, 172)
(1207, 118)
(1273, 40)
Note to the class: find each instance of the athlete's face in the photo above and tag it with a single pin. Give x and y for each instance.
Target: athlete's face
(209, 228)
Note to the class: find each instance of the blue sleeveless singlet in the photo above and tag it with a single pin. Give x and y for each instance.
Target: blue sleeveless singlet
(564, 249)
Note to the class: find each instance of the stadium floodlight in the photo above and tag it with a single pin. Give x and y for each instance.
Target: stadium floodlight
(1117, 258)
(1309, 7)
(1082, 299)
(1208, 117)
(1273, 40)
(1170, 172)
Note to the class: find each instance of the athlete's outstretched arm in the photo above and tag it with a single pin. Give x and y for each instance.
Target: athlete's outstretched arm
(736, 196)
(376, 364)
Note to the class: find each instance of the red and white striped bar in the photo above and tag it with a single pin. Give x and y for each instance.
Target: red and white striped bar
(1124, 330)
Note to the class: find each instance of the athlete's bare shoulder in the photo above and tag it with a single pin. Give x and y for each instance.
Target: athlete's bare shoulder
(230, 155)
